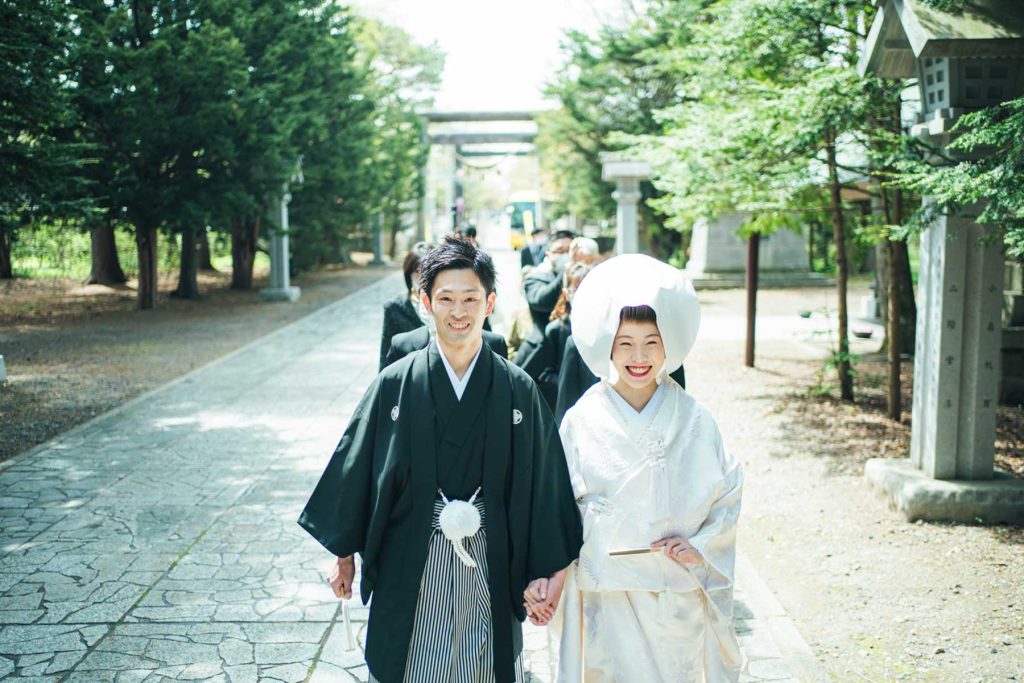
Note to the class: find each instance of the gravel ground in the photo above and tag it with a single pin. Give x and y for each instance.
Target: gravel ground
(876, 598)
(74, 351)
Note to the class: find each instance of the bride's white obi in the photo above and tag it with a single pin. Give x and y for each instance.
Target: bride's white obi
(642, 478)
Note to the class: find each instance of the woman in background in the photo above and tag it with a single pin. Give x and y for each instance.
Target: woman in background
(549, 356)
(402, 313)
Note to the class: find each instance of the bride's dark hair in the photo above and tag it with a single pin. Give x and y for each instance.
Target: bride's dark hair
(638, 314)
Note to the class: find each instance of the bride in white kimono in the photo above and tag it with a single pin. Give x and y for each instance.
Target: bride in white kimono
(650, 598)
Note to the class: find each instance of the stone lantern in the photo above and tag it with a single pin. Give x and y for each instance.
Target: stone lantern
(964, 60)
(626, 174)
(280, 287)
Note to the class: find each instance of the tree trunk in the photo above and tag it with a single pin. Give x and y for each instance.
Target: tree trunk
(188, 285)
(753, 245)
(908, 305)
(842, 360)
(894, 403)
(6, 266)
(810, 247)
(205, 264)
(106, 266)
(244, 231)
(882, 256)
(146, 243)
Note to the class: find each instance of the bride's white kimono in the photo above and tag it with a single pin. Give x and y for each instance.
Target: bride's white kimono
(640, 477)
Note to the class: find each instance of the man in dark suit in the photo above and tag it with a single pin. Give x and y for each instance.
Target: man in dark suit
(532, 254)
(542, 287)
(405, 343)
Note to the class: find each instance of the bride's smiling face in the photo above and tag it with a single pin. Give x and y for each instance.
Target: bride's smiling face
(638, 353)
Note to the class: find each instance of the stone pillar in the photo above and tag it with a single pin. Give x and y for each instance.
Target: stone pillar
(423, 206)
(280, 288)
(3, 371)
(626, 174)
(950, 474)
(959, 334)
(627, 232)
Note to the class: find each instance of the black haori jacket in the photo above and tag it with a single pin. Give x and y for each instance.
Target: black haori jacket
(377, 493)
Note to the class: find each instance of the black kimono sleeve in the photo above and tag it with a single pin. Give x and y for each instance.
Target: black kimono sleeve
(574, 378)
(337, 514)
(556, 531)
(548, 361)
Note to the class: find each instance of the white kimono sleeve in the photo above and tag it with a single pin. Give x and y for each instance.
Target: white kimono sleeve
(716, 542)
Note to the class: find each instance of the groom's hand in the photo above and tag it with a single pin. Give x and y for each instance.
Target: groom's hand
(542, 597)
(342, 574)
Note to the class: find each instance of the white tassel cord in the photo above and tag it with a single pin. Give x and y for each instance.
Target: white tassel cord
(460, 519)
(350, 639)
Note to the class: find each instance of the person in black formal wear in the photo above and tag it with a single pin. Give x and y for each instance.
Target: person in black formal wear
(532, 254)
(451, 484)
(542, 287)
(547, 361)
(402, 314)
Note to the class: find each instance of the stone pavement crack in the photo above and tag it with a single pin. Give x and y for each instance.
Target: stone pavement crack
(124, 616)
(323, 642)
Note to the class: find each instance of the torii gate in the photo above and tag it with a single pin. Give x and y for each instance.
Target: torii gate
(458, 139)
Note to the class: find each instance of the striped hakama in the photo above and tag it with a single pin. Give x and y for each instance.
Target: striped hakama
(452, 633)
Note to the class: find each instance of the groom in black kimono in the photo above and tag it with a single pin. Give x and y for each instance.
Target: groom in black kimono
(453, 421)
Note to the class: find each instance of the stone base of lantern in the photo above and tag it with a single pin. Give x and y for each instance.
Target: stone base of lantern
(912, 493)
(280, 293)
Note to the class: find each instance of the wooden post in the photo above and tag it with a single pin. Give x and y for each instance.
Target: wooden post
(753, 242)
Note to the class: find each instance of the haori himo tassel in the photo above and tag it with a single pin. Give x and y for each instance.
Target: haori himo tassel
(460, 519)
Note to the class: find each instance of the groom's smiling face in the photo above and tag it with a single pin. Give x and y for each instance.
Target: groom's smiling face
(459, 305)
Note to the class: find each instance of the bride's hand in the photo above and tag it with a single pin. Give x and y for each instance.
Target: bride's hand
(538, 614)
(679, 549)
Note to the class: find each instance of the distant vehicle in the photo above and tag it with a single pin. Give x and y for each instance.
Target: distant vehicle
(521, 213)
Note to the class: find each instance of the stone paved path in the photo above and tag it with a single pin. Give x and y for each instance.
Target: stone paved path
(158, 542)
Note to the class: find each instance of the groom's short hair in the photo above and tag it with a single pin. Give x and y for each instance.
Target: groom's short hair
(455, 253)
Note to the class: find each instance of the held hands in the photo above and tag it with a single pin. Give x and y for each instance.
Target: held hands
(341, 575)
(542, 596)
(679, 549)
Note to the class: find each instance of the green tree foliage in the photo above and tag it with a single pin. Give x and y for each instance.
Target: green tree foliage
(985, 164)
(404, 77)
(613, 82)
(379, 142)
(157, 84)
(199, 111)
(773, 121)
(39, 165)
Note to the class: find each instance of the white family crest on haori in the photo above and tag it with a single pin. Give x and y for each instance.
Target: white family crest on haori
(517, 416)
(394, 414)
(460, 519)
(633, 280)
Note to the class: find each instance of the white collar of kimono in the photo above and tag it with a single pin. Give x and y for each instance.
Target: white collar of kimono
(631, 415)
(633, 280)
(459, 385)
